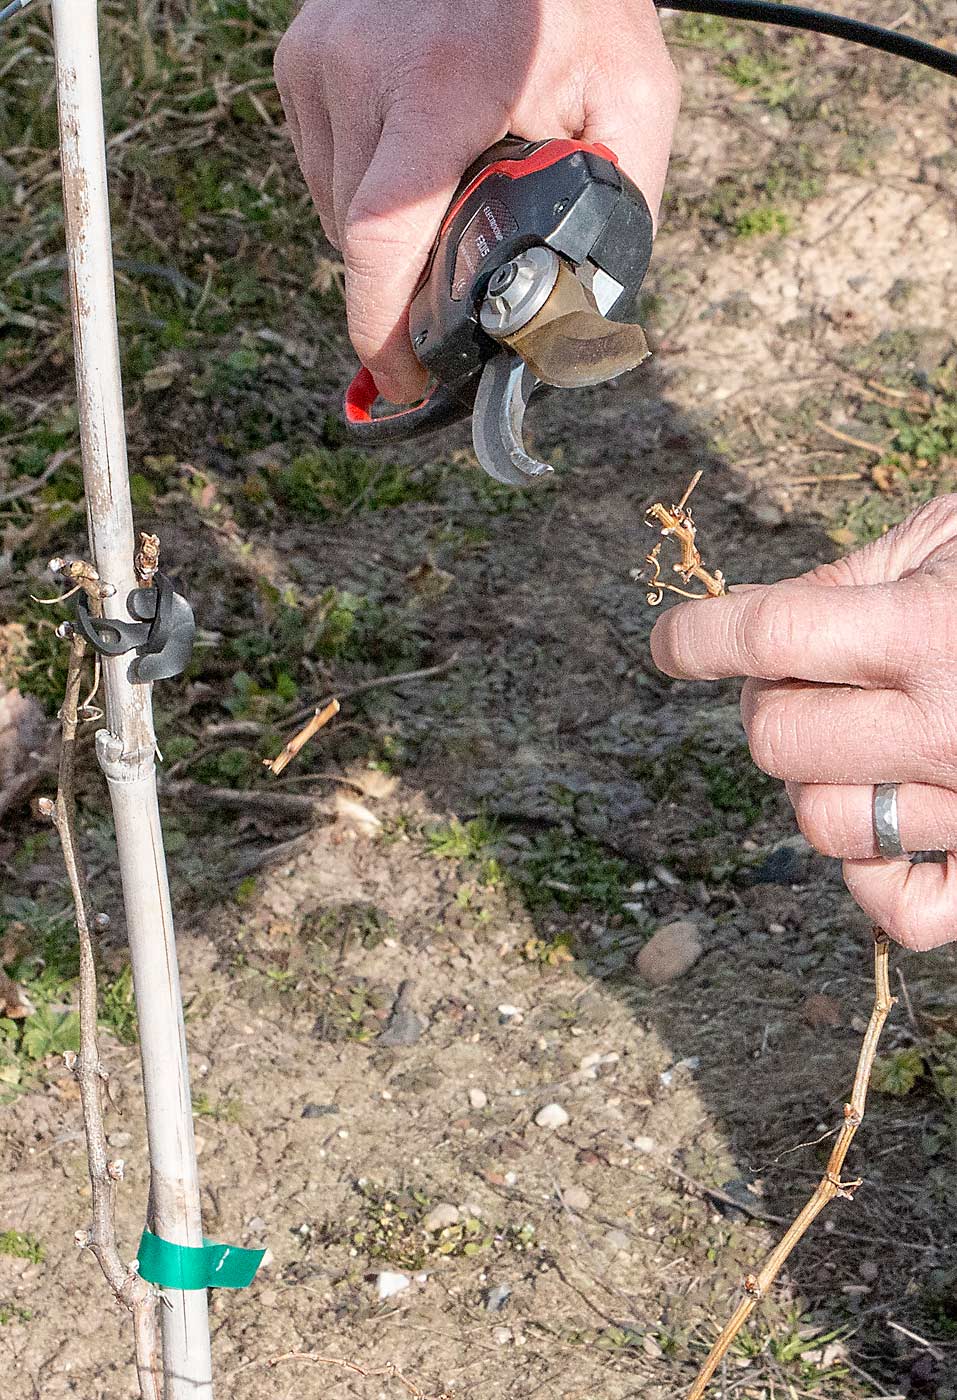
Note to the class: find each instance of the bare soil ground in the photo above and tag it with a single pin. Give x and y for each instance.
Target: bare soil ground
(508, 832)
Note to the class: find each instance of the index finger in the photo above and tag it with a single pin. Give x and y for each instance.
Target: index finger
(857, 635)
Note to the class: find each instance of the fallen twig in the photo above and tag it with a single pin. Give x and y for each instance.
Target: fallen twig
(347, 692)
(716, 1194)
(319, 720)
(876, 447)
(288, 804)
(391, 1370)
(935, 1352)
(130, 1289)
(830, 1185)
(828, 476)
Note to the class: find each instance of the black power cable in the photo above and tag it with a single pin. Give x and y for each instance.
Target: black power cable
(13, 8)
(797, 17)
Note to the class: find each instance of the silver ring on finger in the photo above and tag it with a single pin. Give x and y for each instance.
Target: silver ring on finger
(887, 821)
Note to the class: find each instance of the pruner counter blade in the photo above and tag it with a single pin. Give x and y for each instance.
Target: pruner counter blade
(505, 387)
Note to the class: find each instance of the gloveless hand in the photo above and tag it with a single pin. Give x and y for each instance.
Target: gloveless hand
(389, 102)
(852, 681)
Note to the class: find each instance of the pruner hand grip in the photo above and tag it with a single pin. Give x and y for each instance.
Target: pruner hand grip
(440, 407)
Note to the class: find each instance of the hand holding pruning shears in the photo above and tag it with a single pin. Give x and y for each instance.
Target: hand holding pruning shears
(388, 105)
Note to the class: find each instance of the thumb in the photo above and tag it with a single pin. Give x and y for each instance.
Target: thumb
(388, 232)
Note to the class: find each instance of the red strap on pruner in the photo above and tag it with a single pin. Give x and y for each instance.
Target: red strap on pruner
(362, 394)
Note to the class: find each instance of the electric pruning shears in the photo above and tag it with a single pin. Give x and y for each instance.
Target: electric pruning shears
(533, 280)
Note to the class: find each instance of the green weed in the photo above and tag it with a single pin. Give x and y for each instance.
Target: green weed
(118, 1007)
(549, 952)
(723, 768)
(42, 671)
(572, 871)
(707, 31)
(346, 925)
(455, 840)
(12, 1312)
(349, 1012)
(326, 482)
(769, 78)
(737, 786)
(920, 458)
(762, 222)
(20, 1246)
(48, 1032)
(245, 891)
(225, 1110)
(389, 1227)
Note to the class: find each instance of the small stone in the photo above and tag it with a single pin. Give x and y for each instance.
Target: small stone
(120, 1139)
(478, 1098)
(741, 1192)
(617, 1240)
(692, 1063)
(439, 1217)
(507, 1013)
(576, 1198)
(502, 1335)
(669, 953)
(497, 1297)
(821, 1012)
(766, 512)
(869, 1271)
(666, 877)
(319, 1110)
(389, 1284)
(786, 864)
(551, 1116)
(643, 1144)
(404, 1027)
(256, 1225)
(200, 1145)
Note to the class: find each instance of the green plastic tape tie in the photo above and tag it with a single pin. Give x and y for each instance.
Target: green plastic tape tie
(209, 1266)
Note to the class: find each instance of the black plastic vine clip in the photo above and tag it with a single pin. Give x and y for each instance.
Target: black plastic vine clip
(162, 634)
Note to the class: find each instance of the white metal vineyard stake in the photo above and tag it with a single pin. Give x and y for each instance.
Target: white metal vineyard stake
(126, 746)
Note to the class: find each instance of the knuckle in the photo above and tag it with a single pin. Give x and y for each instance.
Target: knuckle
(767, 634)
(368, 233)
(821, 822)
(942, 510)
(296, 55)
(767, 735)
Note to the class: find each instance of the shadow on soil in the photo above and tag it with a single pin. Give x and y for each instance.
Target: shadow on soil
(612, 800)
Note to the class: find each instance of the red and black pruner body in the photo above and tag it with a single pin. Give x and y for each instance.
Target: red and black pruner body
(567, 196)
